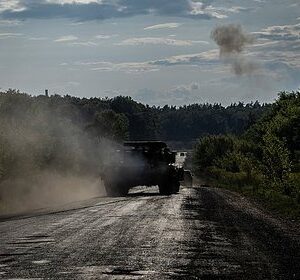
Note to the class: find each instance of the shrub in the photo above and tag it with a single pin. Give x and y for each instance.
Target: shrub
(210, 149)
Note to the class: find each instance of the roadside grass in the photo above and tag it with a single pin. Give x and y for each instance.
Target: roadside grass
(255, 188)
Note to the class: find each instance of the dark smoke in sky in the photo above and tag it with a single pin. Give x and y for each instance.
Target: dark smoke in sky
(232, 40)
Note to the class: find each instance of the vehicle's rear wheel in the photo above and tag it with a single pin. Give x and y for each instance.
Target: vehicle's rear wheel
(175, 186)
(169, 185)
(165, 189)
(115, 189)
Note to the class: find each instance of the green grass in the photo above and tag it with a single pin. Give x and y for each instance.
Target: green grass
(282, 205)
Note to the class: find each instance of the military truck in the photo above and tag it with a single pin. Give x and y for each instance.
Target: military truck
(142, 163)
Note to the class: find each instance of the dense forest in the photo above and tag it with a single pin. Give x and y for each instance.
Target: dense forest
(139, 121)
(265, 159)
(123, 118)
(183, 124)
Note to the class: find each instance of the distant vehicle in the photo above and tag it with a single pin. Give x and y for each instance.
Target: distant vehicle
(143, 163)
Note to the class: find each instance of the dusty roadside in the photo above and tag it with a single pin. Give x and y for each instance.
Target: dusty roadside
(256, 233)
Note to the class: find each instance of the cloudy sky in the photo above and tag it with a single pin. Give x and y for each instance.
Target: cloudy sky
(157, 51)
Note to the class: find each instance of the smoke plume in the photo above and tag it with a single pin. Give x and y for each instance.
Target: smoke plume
(232, 40)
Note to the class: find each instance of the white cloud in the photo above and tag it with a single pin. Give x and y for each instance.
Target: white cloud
(38, 38)
(67, 38)
(74, 40)
(168, 25)
(294, 5)
(10, 35)
(236, 9)
(279, 44)
(103, 37)
(280, 32)
(77, 23)
(10, 22)
(204, 58)
(157, 41)
(84, 44)
(198, 9)
(208, 58)
(106, 66)
(12, 5)
(73, 1)
(130, 67)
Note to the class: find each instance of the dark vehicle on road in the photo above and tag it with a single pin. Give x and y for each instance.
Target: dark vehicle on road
(143, 163)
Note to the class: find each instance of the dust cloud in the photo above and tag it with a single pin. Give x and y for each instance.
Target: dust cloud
(47, 158)
(232, 40)
(47, 189)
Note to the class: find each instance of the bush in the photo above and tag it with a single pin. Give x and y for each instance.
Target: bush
(276, 163)
(266, 157)
(209, 150)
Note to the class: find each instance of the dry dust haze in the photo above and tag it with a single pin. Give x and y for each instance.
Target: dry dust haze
(47, 189)
(51, 159)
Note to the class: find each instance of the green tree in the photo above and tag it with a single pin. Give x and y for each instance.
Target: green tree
(109, 124)
(210, 149)
(276, 162)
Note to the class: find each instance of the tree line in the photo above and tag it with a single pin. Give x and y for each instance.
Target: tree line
(186, 123)
(264, 158)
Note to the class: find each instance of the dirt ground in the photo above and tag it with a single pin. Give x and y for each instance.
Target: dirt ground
(201, 233)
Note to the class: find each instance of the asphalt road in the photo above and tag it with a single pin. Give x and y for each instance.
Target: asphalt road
(201, 233)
